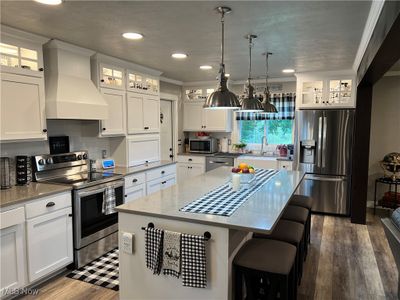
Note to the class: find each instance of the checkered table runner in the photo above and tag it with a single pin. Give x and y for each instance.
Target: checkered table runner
(223, 201)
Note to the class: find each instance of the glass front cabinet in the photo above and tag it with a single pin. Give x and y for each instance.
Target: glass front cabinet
(325, 90)
(140, 83)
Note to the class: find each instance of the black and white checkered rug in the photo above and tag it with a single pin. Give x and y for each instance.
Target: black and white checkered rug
(102, 271)
(223, 201)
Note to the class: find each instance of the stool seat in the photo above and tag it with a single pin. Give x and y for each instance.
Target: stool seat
(285, 231)
(301, 200)
(295, 213)
(267, 256)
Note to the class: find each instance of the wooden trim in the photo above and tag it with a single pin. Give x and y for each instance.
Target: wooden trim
(382, 52)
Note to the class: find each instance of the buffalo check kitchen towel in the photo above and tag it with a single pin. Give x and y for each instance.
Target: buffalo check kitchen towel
(153, 249)
(172, 253)
(193, 253)
(109, 201)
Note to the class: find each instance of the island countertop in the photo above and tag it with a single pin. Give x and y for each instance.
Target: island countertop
(259, 213)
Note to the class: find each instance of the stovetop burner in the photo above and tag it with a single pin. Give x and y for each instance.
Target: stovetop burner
(84, 179)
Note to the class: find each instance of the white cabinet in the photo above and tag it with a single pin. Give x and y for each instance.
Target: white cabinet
(12, 245)
(22, 108)
(160, 184)
(49, 242)
(196, 118)
(190, 166)
(285, 165)
(141, 83)
(143, 113)
(258, 161)
(326, 90)
(107, 75)
(135, 192)
(116, 122)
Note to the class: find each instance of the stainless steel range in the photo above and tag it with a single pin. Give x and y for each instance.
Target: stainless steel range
(94, 232)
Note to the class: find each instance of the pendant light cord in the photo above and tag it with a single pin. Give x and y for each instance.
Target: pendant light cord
(250, 41)
(223, 37)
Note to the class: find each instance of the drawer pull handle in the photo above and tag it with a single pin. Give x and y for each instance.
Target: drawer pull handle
(134, 180)
(164, 182)
(146, 128)
(162, 172)
(69, 215)
(190, 159)
(50, 204)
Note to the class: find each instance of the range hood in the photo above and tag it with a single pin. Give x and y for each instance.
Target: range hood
(70, 93)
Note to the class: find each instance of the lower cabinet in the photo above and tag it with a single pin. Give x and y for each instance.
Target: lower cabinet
(12, 245)
(49, 242)
(135, 192)
(160, 184)
(189, 170)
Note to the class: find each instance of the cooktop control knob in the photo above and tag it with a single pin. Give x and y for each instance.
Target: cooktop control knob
(85, 156)
(49, 161)
(79, 157)
(41, 161)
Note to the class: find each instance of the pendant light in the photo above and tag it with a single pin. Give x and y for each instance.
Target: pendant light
(268, 107)
(222, 98)
(251, 104)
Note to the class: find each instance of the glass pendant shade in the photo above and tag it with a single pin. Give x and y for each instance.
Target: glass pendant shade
(222, 98)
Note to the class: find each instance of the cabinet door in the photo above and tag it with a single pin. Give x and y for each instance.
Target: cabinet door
(143, 149)
(49, 240)
(135, 113)
(151, 114)
(193, 117)
(22, 108)
(111, 77)
(12, 258)
(217, 120)
(195, 170)
(182, 171)
(135, 192)
(153, 186)
(115, 124)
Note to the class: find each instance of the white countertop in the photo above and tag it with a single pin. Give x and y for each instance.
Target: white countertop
(258, 214)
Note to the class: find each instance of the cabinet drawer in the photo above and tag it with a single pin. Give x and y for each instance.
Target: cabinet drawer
(48, 204)
(161, 172)
(160, 184)
(134, 180)
(12, 217)
(192, 159)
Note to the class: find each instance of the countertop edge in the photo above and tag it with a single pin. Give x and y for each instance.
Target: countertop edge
(144, 168)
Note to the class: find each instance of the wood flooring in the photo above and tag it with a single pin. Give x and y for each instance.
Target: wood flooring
(345, 261)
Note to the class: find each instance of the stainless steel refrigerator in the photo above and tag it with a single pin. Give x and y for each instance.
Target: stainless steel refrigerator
(323, 150)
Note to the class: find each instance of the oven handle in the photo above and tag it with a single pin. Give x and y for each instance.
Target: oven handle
(99, 189)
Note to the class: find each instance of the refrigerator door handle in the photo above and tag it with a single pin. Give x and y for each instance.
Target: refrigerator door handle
(325, 178)
(319, 142)
(324, 143)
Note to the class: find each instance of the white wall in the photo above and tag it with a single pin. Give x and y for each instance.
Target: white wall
(385, 127)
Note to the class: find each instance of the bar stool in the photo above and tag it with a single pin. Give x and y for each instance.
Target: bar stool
(306, 202)
(300, 215)
(292, 233)
(268, 269)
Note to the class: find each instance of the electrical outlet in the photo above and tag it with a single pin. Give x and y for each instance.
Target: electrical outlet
(103, 154)
(127, 242)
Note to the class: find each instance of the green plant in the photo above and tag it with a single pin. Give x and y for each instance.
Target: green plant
(241, 145)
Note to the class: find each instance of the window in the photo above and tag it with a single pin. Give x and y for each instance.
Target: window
(277, 131)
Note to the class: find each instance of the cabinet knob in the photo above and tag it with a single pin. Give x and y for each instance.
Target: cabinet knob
(190, 159)
(164, 182)
(69, 215)
(146, 128)
(134, 180)
(50, 204)
(162, 172)
(41, 69)
(45, 130)
(104, 128)
(126, 196)
(102, 80)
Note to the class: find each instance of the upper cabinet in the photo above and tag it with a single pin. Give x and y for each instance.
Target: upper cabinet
(105, 74)
(326, 90)
(22, 86)
(116, 122)
(143, 113)
(196, 118)
(140, 83)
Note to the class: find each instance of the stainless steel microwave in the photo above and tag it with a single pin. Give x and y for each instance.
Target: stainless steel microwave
(203, 146)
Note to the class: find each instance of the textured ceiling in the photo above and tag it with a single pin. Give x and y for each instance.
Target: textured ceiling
(305, 35)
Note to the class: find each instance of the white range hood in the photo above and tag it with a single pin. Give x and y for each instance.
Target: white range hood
(70, 93)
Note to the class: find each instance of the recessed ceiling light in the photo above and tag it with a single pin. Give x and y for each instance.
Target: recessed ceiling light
(50, 2)
(132, 35)
(205, 67)
(179, 55)
(288, 70)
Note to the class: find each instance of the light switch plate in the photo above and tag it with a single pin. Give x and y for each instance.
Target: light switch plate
(127, 242)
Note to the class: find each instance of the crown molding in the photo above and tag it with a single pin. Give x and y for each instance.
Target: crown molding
(170, 80)
(373, 16)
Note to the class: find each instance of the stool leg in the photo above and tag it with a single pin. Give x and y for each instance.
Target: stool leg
(238, 284)
(286, 287)
(309, 226)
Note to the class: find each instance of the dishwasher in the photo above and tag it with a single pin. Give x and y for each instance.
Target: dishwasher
(213, 162)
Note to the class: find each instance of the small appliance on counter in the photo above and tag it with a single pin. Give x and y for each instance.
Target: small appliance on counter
(207, 146)
(224, 142)
(5, 182)
(22, 170)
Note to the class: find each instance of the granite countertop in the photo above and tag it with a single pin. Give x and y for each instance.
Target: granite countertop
(19, 194)
(142, 168)
(258, 214)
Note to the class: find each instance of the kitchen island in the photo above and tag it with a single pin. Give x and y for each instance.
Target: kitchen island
(259, 214)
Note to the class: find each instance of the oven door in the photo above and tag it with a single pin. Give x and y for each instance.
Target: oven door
(90, 224)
